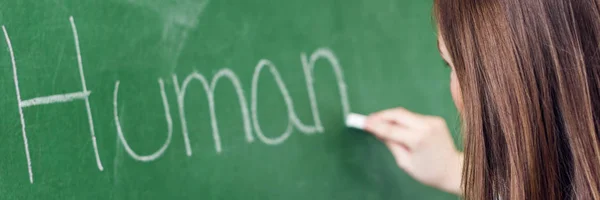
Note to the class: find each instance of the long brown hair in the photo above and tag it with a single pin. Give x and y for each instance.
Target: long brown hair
(529, 72)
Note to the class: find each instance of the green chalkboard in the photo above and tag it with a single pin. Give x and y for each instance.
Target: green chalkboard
(211, 99)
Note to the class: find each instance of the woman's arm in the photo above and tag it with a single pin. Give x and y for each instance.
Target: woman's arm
(422, 146)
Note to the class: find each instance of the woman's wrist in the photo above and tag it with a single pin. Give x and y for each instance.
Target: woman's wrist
(452, 182)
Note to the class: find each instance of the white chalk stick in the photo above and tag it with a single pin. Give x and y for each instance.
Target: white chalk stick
(357, 121)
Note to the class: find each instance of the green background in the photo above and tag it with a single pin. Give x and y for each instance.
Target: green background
(386, 49)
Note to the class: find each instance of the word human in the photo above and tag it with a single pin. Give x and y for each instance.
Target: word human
(249, 112)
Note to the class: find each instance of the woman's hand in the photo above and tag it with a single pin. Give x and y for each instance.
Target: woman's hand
(421, 145)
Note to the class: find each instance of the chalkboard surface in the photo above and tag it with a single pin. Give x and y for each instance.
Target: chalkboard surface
(211, 99)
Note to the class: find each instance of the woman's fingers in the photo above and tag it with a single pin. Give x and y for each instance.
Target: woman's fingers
(387, 131)
(401, 116)
(401, 154)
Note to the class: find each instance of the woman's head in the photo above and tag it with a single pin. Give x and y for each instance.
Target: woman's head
(529, 95)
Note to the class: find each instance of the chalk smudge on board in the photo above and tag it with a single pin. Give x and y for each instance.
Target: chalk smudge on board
(178, 17)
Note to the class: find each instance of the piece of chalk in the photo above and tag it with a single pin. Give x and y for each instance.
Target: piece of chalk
(357, 121)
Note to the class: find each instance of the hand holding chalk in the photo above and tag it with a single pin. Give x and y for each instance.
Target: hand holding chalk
(421, 145)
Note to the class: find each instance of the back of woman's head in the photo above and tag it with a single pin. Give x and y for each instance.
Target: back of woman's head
(529, 72)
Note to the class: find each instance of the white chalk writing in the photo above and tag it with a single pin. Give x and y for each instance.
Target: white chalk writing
(249, 113)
